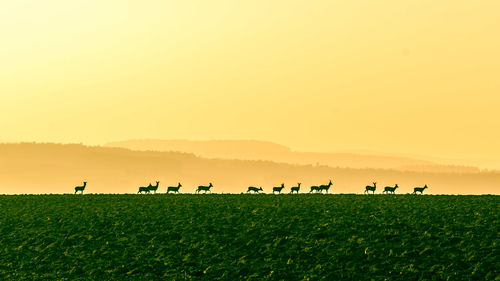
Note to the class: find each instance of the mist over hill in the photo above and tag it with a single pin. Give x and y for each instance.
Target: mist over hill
(262, 150)
(57, 168)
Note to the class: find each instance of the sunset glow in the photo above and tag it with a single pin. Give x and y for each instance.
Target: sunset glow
(398, 77)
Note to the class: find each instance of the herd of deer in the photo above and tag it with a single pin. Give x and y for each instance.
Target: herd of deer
(392, 189)
(278, 189)
(175, 189)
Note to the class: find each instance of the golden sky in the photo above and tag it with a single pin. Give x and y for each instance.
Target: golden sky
(405, 77)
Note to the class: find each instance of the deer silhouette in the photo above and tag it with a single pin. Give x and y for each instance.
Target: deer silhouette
(144, 189)
(314, 188)
(371, 188)
(174, 188)
(325, 187)
(390, 189)
(154, 187)
(254, 189)
(295, 188)
(419, 189)
(204, 188)
(81, 188)
(278, 188)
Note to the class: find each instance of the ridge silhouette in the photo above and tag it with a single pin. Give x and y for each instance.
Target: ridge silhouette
(51, 168)
(269, 151)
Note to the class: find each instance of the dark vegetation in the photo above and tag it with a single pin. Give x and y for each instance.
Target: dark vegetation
(254, 237)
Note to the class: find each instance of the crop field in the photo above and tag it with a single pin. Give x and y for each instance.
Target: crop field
(249, 237)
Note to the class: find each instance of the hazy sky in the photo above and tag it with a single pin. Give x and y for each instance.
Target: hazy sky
(413, 77)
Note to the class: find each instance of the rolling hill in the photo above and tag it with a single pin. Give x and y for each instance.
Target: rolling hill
(268, 151)
(57, 168)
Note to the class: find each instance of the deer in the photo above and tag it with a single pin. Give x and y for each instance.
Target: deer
(174, 188)
(154, 187)
(371, 188)
(419, 189)
(295, 188)
(81, 188)
(144, 189)
(390, 189)
(278, 188)
(254, 189)
(204, 188)
(314, 188)
(325, 187)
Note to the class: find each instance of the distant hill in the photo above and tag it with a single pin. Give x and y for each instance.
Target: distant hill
(57, 168)
(268, 151)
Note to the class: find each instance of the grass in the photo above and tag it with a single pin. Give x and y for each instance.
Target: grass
(254, 237)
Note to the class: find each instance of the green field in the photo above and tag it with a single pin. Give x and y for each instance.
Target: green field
(256, 237)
